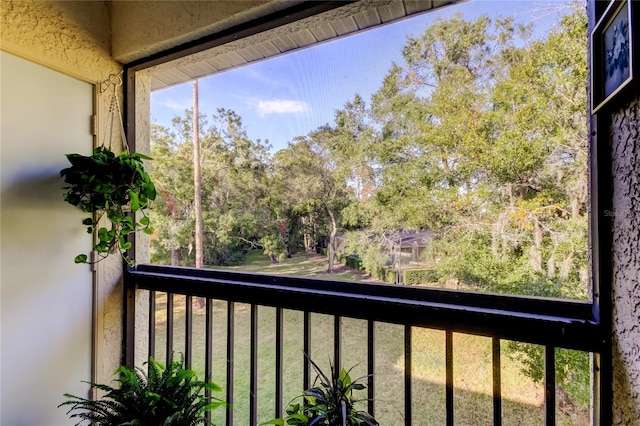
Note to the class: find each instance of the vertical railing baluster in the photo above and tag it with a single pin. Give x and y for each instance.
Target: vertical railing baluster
(407, 376)
(230, 355)
(152, 324)
(253, 373)
(208, 348)
(169, 345)
(371, 362)
(279, 362)
(549, 386)
(497, 382)
(129, 326)
(188, 332)
(337, 343)
(306, 369)
(449, 376)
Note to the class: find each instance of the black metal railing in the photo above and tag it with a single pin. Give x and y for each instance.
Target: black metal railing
(548, 322)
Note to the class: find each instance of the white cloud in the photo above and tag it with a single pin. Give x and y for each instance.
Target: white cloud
(175, 105)
(255, 75)
(282, 106)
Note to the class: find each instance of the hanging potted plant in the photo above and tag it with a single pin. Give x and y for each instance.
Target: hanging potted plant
(112, 186)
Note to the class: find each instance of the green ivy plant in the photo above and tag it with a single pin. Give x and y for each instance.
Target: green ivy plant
(171, 396)
(113, 185)
(329, 402)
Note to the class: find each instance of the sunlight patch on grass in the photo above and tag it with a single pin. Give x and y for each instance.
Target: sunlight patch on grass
(299, 265)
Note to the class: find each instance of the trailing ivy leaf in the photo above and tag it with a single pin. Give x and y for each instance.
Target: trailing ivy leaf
(103, 234)
(134, 201)
(81, 258)
(124, 245)
(277, 422)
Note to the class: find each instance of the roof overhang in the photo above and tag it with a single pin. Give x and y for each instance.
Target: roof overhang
(252, 43)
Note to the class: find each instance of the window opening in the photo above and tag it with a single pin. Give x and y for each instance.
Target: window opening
(446, 150)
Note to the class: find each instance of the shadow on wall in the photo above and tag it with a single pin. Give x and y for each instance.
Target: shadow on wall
(41, 189)
(46, 300)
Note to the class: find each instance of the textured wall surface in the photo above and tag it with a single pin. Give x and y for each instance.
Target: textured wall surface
(72, 37)
(141, 28)
(625, 139)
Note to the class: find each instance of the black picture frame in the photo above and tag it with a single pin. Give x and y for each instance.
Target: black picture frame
(614, 63)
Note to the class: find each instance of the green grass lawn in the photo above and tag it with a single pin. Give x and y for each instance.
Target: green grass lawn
(300, 264)
(522, 399)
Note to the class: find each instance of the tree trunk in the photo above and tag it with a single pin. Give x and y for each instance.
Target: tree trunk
(175, 257)
(197, 185)
(197, 178)
(308, 248)
(332, 240)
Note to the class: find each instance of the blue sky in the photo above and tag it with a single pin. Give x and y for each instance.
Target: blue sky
(296, 93)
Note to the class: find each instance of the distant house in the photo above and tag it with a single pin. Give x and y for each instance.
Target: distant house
(404, 248)
(407, 247)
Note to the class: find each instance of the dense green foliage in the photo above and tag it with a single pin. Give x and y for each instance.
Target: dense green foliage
(479, 135)
(484, 143)
(113, 185)
(419, 276)
(330, 402)
(572, 370)
(171, 396)
(237, 207)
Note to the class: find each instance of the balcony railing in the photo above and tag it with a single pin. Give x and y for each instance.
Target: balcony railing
(267, 301)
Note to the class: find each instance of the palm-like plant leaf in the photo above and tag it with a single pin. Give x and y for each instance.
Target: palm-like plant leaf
(329, 402)
(171, 396)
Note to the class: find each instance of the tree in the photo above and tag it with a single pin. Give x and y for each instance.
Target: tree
(483, 141)
(173, 175)
(311, 175)
(234, 187)
(351, 147)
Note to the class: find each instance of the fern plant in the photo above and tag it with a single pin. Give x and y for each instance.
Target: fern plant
(115, 186)
(329, 402)
(171, 396)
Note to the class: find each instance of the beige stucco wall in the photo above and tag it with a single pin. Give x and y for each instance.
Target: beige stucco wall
(625, 144)
(141, 28)
(70, 36)
(73, 37)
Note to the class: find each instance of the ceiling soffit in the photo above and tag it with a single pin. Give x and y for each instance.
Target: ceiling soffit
(338, 22)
